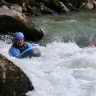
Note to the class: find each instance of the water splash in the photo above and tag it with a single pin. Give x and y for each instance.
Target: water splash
(64, 69)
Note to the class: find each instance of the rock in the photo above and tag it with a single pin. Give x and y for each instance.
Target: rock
(5, 7)
(33, 10)
(13, 81)
(94, 4)
(53, 4)
(47, 10)
(32, 3)
(13, 13)
(29, 6)
(89, 5)
(64, 7)
(16, 7)
(3, 2)
(72, 8)
(9, 24)
(82, 5)
(5, 12)
(19, 16)
(24, 9)
(91, 1)
(13, 21)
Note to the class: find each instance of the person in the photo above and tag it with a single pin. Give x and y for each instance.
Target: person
(93, 45)
(22, 49)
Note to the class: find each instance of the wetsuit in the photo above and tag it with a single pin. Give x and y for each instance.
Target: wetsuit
(27, 50)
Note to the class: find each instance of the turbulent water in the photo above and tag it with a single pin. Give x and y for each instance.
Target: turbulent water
(78, 27)
(67, 67)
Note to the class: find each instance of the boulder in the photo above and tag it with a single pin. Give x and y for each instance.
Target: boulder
(71, 7)
(89, 5)
(9, 24)
(16, 7)
(32, 3)
(45, 9)
(91, 1)
(33, 10)
(29, 7)
(13, 81)
(94, 4)
(14, 21)
(53, 4)
(5, 7)
(64, 7)
(13, 13)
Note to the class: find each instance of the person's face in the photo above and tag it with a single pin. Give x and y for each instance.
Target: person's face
(20, 41)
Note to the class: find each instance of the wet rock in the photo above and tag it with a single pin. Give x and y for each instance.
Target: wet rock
(47, 10)
(53, 4)
(64, 7)
(33, 10)
(32, 3)
(13, 81)
(94, 4)
(14, 14)
(89, 5)
(5, 7)
(71, 7)
(14, 21)
(16, 7)
(9, 24)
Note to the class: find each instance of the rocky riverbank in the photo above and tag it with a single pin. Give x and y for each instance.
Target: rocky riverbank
(37, 7)
(14, 14)
(12, 19)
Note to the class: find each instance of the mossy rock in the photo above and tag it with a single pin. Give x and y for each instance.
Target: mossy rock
(13, 81)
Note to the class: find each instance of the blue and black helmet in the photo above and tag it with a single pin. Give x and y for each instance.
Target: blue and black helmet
(18, 35)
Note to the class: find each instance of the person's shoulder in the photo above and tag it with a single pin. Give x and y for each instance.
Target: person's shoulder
(30, 45)
(14, 51)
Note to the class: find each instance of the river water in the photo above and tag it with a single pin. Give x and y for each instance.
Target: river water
(67, 66)
(76, 27)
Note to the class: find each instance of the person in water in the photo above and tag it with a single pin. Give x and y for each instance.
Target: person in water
(22, 49)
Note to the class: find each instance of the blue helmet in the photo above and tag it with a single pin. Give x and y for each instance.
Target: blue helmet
(18, 35)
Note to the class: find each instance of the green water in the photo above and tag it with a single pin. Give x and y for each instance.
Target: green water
(75, 27)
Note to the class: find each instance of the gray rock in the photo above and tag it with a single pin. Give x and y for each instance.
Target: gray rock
(47, 10)
(5, 7)
(11, 22)
(64, 7)
(13, 81)
(16, 7)
(13, 13)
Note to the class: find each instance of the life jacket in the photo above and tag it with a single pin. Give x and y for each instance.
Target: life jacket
(27, 50)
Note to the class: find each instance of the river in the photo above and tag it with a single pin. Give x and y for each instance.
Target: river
(67, 66)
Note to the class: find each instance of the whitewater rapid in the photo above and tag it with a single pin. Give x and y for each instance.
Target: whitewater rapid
(64, 69)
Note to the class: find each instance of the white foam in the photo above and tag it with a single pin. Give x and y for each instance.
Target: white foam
(64, 69)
